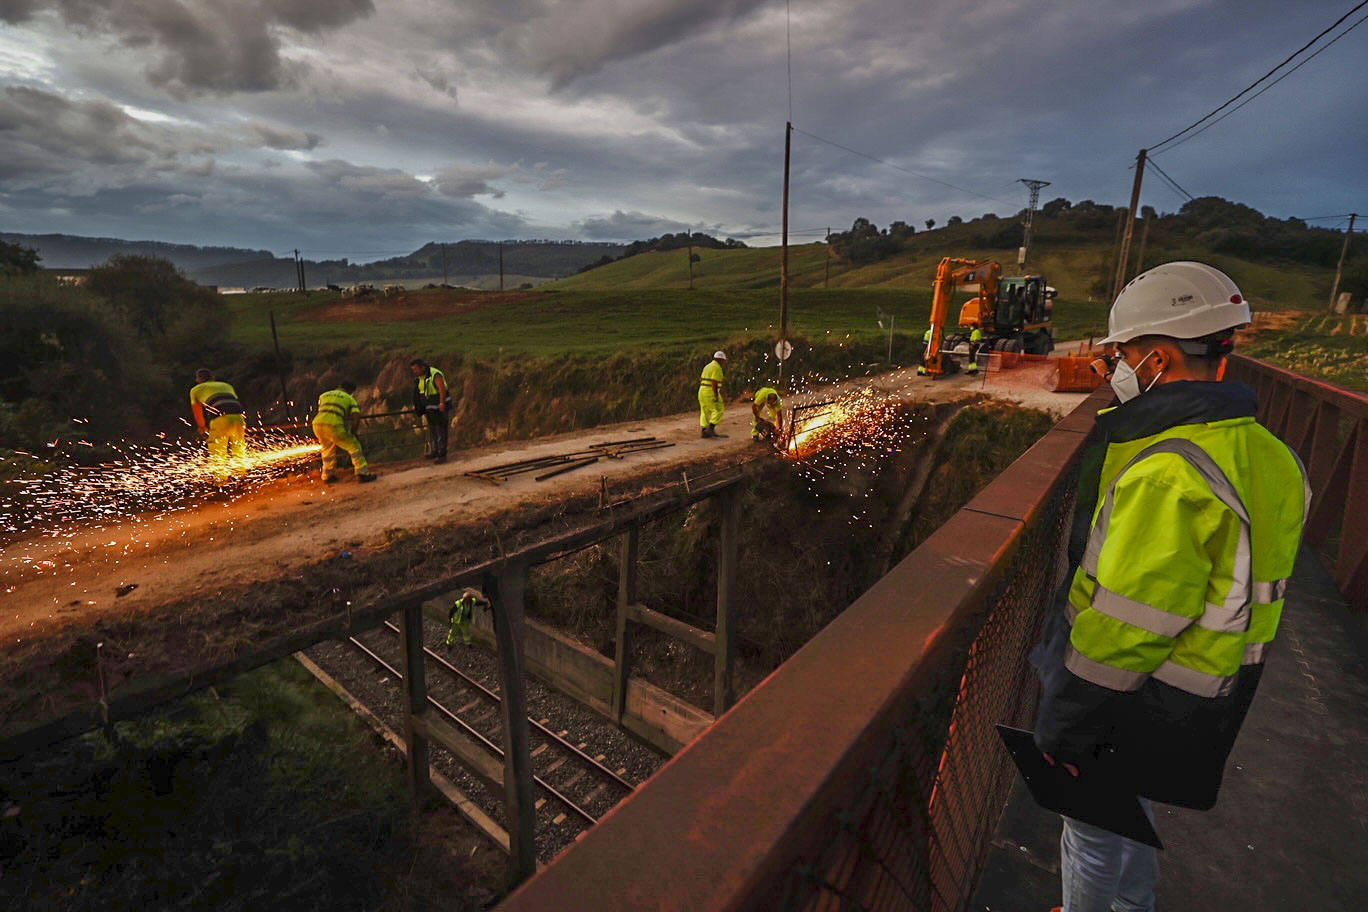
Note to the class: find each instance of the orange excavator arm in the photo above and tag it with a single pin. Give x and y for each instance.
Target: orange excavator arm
(952, 273)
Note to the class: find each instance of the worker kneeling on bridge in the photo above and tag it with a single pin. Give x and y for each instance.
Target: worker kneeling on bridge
(767, 421)
(710, 403)
(1188, 523)
(218, 413)
(335, 426)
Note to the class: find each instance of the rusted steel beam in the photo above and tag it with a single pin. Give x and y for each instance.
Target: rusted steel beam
(1256, 373)
(1320, 459)
(699, 639)
(506, 590)
(627, 593)
(141, 694)
(415, 703)
(1351, 570)
(724, 655)
(725, 823)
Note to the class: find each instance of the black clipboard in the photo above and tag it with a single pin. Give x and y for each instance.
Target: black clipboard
(1092, 798)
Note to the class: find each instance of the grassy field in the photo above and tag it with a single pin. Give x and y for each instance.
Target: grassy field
(1331, 348)
(1074, 270)
(545, 323)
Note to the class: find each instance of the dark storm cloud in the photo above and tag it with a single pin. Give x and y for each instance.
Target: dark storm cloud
(627, 225)
(42, 132)
(567, 41)
(204, 45)
(273, 137)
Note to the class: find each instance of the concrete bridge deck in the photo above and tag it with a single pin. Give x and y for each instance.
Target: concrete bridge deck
(1290, 832)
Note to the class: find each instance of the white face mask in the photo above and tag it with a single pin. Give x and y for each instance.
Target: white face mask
(1126, 383)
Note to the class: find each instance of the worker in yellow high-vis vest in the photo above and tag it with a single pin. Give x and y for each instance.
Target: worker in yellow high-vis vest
(710, 403)
(432, 402)
(1189, 516)
(335, 426)
(218, 414)
(767, 416)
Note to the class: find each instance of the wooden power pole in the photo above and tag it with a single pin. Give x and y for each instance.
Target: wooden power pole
(1339, 269)
(783, 256)
(826, 279)
(1144, 239)
(1123, 260)
(500, 265)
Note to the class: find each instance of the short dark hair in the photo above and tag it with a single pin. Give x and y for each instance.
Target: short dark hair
(203, 375)
(417, 362)
(347, 386)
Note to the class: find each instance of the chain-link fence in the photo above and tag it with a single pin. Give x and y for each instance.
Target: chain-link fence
(918, 828)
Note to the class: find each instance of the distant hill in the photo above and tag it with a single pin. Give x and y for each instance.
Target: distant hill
(235, 266)
(1279, 262)
(69, 251)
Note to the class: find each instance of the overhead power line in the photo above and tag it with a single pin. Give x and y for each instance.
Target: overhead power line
(927, 177)
(1247, 89)
(1299, 65)
(1171, 182)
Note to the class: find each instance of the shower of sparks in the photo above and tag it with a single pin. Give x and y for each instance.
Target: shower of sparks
(139, 480)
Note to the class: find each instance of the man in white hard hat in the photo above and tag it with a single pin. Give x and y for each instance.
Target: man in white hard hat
(1188, 519)
(710, 403)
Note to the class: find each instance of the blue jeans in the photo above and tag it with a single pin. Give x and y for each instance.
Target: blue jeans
(1103, 872)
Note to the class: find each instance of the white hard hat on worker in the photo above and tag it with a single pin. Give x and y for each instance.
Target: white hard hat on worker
(1181, 300)
(720, 356)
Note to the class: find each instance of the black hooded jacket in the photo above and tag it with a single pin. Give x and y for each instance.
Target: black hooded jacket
(1171, 744)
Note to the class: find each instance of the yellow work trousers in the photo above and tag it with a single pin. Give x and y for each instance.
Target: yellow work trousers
(333, 436)
(710, 406)
(227, 441)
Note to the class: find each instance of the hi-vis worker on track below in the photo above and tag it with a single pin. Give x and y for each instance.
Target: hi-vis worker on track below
(335, 426)
(218, 413)
(767, 416)
(710, 403)
(461, 615)
(1189, 516)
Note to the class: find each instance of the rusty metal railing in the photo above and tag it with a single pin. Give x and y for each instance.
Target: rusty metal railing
(1328, 427)
(864, 773)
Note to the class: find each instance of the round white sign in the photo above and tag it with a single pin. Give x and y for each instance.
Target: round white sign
(783, 349)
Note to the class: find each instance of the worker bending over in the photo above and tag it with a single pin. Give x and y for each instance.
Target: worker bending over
(218, 413)
(1189, 518)
(461, 615)
(335, 426)
(767, 421)
(710, 404)
(432, 401)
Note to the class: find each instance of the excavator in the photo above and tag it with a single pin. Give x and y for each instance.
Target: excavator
(1005, 314)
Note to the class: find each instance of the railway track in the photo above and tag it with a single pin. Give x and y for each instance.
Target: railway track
(574, 787)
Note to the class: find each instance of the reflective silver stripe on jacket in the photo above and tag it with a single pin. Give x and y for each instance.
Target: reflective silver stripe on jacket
(1255, 653)
(1268, 593)
(1102, 674)
(1233, 615)
(1138, 614)
(1193, 681)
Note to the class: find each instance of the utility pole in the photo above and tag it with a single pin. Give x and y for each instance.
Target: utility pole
(299, 272)
(500, 265)
(1124, 258)
(690, 266)
(1034, 186)
(826, 279)
(445, 283)
(1144, 239)
(783, 257)
(1339, 269)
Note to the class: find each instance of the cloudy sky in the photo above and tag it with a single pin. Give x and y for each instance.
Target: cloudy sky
(364, 128)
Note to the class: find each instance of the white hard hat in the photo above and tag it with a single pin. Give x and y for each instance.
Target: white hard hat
(720, 355)
(1181, 300)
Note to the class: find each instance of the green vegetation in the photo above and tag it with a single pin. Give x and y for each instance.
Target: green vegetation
(101, 361)
(271, 797)
(1331, 348)
(1280, 264)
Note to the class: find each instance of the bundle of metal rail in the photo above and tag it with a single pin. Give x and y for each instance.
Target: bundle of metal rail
(560, 463)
